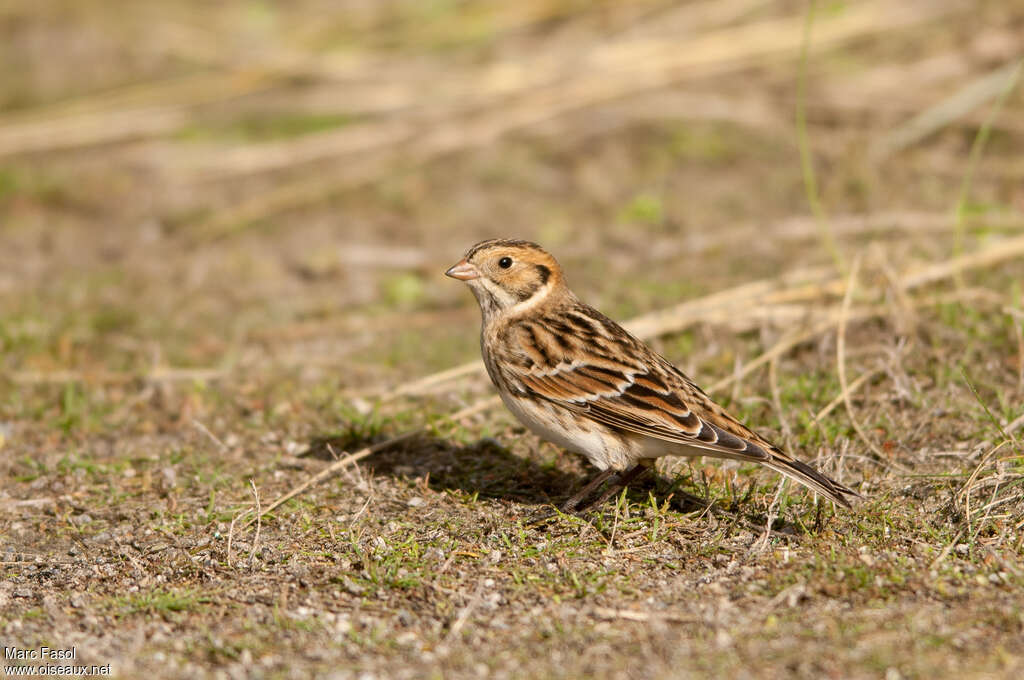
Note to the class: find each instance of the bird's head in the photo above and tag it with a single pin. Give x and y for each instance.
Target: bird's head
(508, 275)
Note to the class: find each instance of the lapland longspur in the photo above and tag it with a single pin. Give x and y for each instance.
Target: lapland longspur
(578, 379)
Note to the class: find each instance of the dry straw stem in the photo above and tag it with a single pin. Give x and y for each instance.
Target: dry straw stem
(351, 458)
(1001, 251)
(980, 139)
(510, 97)
(844, 395)
(514, 95)
(333, 469)
(142, 111)
(259, 523)
(423, 385)
(964, 495)
(844, 386)
(102, 377)
(881, 223)
(972, 96)
(466, 612)
(642, 616)
(773, 514)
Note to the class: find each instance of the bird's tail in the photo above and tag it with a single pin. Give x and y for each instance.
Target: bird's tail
(809, 477)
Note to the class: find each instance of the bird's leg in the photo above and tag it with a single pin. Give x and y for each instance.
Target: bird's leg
(575, 502)
(581, 495)
(577, 498)
(620, 483)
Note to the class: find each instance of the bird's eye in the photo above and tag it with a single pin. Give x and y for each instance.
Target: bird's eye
(505, 262)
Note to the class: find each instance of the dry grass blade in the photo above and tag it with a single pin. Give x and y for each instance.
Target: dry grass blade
(964, 495)
(517, 96)
(844, 386)
(465, 613)
(103, 377)
(422, 385)
(787, 343)
(342, 463)
(641, 616)
(773, 514)
(152, 109)
(994, 253)
(844, 395)
(973, 95)
(332, 470)
(259, 523)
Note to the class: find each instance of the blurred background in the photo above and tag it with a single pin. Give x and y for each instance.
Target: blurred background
(223, 231)
(246, 186)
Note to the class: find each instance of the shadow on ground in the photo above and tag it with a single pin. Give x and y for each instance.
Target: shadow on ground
(491, 471)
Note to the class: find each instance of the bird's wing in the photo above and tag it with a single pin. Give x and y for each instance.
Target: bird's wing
(586, 363)
(619, 382)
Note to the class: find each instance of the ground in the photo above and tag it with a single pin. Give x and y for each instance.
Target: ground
(224, 227)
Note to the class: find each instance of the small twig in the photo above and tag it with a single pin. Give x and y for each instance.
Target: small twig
(1014, 424)
(480, 407)
(964, 494)
(945, 551)
(773, 514)
(642, 617)
(330, 450)
(157, 375)
(355, 517)
(998, 251)
(466, 612)
(259, 523)
(202, 428)
(231, 533)
(780, 348)
(423, 384)
(333, 468)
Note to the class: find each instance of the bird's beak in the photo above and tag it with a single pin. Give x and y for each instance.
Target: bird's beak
(463, 271)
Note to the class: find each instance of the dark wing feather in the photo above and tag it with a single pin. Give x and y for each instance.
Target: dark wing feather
(634, 407)
(645, 395)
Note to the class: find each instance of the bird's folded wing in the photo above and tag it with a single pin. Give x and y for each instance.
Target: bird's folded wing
(649, 402)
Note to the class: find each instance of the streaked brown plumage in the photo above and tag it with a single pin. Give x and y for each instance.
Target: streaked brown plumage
(578, 379)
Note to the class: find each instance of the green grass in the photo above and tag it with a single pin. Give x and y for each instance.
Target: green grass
(164, 603)
(263, 127)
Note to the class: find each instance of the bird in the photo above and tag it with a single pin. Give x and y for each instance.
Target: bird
(578, 379)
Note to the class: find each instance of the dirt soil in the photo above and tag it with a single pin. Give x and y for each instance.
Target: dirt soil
(223, 231)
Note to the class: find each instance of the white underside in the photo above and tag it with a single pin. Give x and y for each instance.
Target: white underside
(603, 447)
